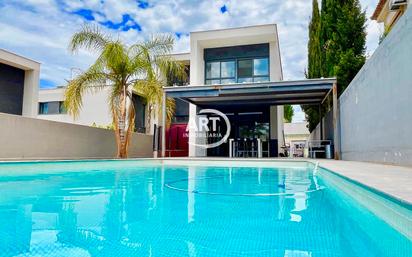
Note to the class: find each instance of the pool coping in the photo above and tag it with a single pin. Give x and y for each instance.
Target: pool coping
(390, 180)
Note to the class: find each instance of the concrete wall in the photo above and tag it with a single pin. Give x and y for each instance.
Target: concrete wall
(328, 132)
(376, 116)
(22, 137)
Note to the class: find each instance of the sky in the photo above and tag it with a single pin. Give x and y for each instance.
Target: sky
(41, 29)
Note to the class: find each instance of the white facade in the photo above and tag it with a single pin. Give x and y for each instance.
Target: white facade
(95, 109)
(31, 79)
(199, 41)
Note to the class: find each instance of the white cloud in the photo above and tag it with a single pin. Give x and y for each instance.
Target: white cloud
(41, 29)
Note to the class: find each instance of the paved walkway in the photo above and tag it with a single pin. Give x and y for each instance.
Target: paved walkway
(392, 180)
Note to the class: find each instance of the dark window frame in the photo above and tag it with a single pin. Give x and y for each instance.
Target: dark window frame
(220, 78)
(237, 77)
(253, 69)
(61, 109)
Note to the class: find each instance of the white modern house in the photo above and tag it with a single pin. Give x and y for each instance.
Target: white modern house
(19, 84)
(229, 56)
(95, 110)
(237, 72)
(296, 137)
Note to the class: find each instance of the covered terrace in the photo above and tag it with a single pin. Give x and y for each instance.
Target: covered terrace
(252, 96)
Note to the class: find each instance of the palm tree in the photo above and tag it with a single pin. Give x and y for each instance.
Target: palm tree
(122, 69)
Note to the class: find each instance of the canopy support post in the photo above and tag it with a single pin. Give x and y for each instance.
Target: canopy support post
(336, 130)
(320, 121)
(163, 136)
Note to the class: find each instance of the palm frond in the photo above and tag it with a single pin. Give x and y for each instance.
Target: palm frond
(170, 110)
(158, 45)
(171, 68)
(116, 55)
(92, 80)
(90, 37)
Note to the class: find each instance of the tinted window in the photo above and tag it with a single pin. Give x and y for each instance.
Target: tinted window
(261, 67)
(62, 109)
(213, 70)
(228, 69)
(260, 79)
(43, 108)
(244, 80)
(237, 71)
(245, 68)
(228, 81)
(52, 108)
(212, 81)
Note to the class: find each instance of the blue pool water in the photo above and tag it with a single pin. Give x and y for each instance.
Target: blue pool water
(141, 208)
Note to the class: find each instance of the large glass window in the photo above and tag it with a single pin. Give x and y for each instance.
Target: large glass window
(253, 70)
(228, 69)
(237, 71)
(220, 72)
(261, 67)
(245, 68)
(213, 70)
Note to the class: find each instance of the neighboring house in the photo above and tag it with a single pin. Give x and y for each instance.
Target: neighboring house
(95, 110)
(247, 55)
(296, 136)
(19, 84)
(296, 132)
(388, 12)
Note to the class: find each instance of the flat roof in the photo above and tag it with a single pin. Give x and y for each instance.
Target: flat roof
(18, 61)
(308, 91)
(183, 57)
(237, 28)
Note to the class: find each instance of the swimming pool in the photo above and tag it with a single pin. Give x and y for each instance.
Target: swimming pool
(150, 208)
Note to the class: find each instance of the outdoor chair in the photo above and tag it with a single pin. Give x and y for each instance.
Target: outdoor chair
(241, 148)
(253, 150)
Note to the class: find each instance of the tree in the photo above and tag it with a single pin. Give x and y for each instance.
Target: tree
(315, 66)
(351, 36)
(288, 113)
(314, 49)
(341, 37)
(121, 69)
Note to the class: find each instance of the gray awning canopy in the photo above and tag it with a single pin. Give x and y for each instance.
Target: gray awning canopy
(246, 95)
(311, 91)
